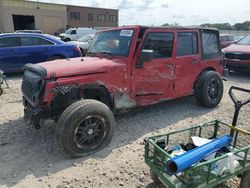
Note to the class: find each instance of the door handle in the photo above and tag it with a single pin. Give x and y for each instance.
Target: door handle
(195, 62)
(170, 66)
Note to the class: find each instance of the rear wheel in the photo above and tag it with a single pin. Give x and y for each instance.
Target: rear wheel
(208, 89)
(85, 127)
(245, 180)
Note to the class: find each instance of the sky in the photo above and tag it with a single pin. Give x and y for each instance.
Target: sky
(183, 12)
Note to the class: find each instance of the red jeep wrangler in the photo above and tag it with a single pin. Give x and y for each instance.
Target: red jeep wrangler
(125, 67)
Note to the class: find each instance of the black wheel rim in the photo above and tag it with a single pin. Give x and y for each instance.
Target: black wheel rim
(90, 132)
(213, 90)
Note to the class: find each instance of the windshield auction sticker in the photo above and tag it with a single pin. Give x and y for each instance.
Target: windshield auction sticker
(126, 33)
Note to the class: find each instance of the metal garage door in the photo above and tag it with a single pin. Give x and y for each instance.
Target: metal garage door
(52, 24)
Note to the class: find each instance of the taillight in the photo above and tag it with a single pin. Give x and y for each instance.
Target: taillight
(77, 49)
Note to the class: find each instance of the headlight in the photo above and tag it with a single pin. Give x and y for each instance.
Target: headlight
(222, 53)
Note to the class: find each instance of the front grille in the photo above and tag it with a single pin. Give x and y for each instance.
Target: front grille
(32, 87)
(33, 83)
(237, 56)
(27, 88)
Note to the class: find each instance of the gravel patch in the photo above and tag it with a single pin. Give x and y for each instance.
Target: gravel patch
(30, 158)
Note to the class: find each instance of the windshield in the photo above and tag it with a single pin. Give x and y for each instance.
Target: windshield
(116, 42)
(245, 41)
(68, 31)
(85, 38)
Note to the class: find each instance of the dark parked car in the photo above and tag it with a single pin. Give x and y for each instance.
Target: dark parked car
(226, 40)
(17, 49)
(237, 56)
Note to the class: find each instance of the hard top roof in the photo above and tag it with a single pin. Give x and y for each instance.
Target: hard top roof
(163, 27)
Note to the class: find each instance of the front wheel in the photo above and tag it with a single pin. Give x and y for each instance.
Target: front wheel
(208, 89)
(85, 127)
(245, 180)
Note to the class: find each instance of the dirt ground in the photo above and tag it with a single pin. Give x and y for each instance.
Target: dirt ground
(30, 158)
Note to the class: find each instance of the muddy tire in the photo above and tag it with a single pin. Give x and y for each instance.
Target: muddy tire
(208, 89)
(85, 127)
(245, 180)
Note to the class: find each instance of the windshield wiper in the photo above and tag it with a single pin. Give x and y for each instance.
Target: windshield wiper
(99, 53)
(91, 54)
(106, 53)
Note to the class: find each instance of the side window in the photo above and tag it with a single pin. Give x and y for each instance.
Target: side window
(224, 39)
(210, 45)
(45, 42)
(230, 38)
(187, 43)
(75, 15)
(30, 41)
(73, 32)
(9, 42)
(161, 43)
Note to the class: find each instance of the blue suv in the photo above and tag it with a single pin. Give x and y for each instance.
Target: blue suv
(17, 49)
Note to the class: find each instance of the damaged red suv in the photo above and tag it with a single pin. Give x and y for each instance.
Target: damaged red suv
(125, 67)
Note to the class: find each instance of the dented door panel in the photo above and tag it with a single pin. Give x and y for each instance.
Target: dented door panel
(154, 81)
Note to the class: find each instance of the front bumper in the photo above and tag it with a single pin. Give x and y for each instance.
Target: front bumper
(225, 74)
(33, 116)
(240, 65)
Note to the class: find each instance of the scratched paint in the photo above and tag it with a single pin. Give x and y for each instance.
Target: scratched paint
(123, 101)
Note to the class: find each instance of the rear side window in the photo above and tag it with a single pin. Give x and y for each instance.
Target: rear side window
(34, 41)
(9, 42)
(45, 42)
(161, 43)
(210, 45)
(187, 43)
(30, 41)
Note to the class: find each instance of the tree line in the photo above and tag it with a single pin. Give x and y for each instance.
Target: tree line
(244, 26)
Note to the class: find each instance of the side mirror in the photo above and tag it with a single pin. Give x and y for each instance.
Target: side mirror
(145, 56)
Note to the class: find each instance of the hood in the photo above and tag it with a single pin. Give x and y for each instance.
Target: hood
(237, 48)
(75, 66)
